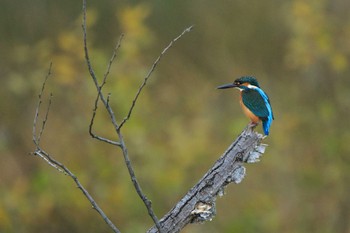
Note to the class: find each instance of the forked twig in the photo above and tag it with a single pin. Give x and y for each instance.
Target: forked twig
(106, 104)
(93, 135)
(92, 72)
(36, 138)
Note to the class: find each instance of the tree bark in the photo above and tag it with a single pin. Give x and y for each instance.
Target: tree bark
(198, 205)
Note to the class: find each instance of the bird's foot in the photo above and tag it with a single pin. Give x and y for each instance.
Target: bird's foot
(251, 126)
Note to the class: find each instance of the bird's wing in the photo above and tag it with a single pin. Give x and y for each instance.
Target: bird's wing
(258, 102)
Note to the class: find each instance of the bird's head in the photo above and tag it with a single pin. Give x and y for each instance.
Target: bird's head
(242, 83)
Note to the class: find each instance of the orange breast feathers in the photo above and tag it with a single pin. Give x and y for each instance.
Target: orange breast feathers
(247, 112)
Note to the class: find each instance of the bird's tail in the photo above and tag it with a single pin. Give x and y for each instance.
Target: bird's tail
(266, 126)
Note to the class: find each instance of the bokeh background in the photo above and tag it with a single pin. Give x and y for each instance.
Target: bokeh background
(299, 51)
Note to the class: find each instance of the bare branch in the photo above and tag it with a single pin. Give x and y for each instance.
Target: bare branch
(114, 55)
(42, 154)
(149, 74)
(198, 205)
(136, 184)
(45, 119)
(36, 138)
(92, 72)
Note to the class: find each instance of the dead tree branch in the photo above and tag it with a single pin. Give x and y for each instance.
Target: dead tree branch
(198, 205)
(121, 143)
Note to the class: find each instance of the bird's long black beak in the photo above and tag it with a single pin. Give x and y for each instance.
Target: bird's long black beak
(225, 86)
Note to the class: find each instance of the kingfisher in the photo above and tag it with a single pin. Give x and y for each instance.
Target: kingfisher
(254, 101)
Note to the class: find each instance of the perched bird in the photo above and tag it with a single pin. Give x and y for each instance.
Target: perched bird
(254, 101)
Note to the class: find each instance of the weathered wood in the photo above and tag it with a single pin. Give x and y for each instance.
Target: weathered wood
(198, 205)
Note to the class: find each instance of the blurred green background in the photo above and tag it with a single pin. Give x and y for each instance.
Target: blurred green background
(298, 50)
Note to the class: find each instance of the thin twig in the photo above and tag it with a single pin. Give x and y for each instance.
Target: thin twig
(149, 74)
(48, 159)
(36, 138)
(45, 119)
(136, 184)
(114, 55)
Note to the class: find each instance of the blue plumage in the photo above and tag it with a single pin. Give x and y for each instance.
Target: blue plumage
(256, 102)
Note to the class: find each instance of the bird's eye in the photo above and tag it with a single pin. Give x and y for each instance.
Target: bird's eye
(238, 83)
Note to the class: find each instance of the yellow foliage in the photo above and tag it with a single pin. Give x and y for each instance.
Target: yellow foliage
(301, 9)
(64, 68)
(132, 20)
(68, 41)
(339, 62)
(314, 41)
(68, 57)
(5, 222)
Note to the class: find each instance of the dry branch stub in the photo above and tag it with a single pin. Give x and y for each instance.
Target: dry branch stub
(198, 205)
